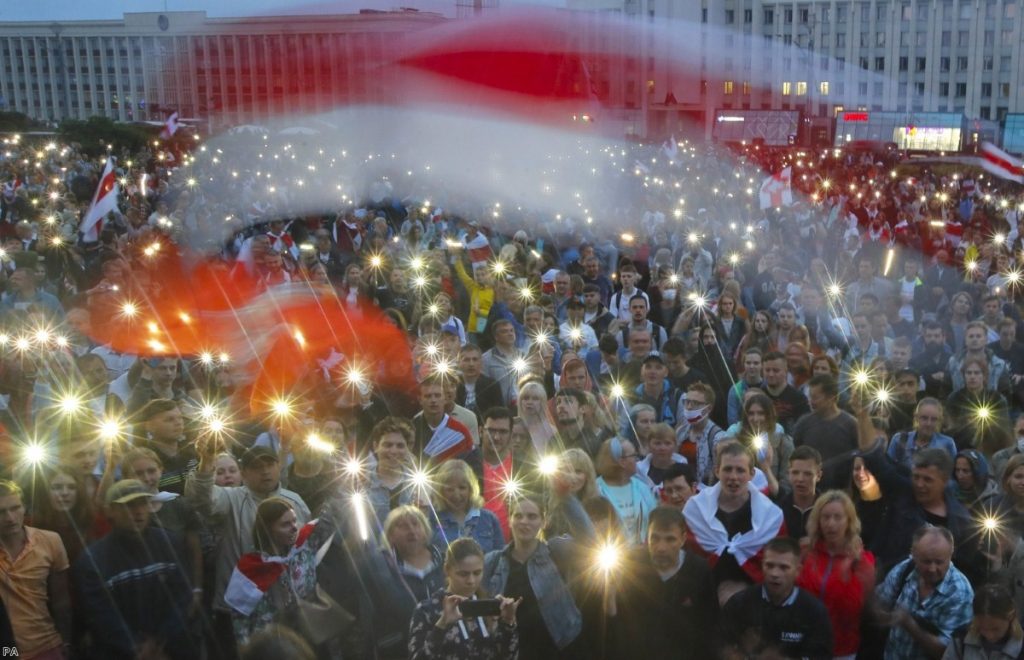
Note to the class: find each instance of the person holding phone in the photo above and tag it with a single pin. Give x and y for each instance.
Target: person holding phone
(456, 622)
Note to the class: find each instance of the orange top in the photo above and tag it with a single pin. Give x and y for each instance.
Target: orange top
(23, 586)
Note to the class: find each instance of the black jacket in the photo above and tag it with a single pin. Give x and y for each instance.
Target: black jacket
(798, 629)
(134, 587)
(674, 619)
(904, 515)
(488, 395)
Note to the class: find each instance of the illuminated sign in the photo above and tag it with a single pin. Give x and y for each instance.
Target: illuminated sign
(855, 116)
(730, 118)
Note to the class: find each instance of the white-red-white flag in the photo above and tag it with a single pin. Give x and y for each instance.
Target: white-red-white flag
(777, 190)
(171, 127)
(103, 202)
(1000, 163)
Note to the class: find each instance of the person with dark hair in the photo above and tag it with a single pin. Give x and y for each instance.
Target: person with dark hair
(680, 374)
(790, 404)
(594, 312)
(569, 418)
(678, 485)
(440, 630)
(668, 607)
(476, 391)
(914, 500)
(438, 435)
(796, 502)
(162, 431)
(932, 359)
(499, 359)
(498, 462)
(235, 511)
(539, 573)
(926, 599)
(731, 521)
(751, 377)
(829, 430)
(777, 618)
(268, 583)
(995, 632)
(61, 503)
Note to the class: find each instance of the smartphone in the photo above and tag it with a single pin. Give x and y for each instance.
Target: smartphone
(480, 607)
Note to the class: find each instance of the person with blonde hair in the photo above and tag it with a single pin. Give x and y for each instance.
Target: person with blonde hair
(398, 572)
(460, 511)
(576, 471)
(838, 569)
(618, 482)
(533, 410)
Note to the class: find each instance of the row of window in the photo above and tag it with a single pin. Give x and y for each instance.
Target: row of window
(907, 12)
(799, 88)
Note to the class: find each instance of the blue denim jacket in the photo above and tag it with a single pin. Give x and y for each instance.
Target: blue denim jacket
(557, 607)
(481, 525)
(550, 569)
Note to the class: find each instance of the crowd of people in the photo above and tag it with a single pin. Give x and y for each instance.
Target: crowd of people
(726, 431)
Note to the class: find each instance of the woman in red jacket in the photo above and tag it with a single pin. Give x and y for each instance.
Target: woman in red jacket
(837, 568)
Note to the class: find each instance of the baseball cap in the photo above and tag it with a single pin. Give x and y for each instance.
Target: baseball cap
(654, 356)
(257, 454)
(125, 491)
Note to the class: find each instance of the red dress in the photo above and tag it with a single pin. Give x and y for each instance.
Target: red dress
(842, 583)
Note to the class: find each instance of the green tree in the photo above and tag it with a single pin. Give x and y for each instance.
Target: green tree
(95, 133)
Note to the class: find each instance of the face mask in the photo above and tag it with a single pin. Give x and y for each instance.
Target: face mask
(669, 294)
(694, 416)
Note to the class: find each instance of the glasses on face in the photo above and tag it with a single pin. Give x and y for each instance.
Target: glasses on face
(629, 456)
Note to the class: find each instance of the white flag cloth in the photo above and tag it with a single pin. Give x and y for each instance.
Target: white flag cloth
(171, 127)
(671, 148)
(103, 202)
(776, 190)
(1000, 163)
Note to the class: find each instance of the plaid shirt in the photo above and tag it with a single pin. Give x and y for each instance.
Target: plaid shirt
(948, 608)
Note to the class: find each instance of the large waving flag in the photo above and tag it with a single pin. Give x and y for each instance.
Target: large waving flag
(103, 202)
(1000, 163)
(171, 127)
(777, 190)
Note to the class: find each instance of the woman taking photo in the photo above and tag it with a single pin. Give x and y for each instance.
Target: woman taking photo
(459, 509)
(440, 630)
(539, 573)
(837, 569)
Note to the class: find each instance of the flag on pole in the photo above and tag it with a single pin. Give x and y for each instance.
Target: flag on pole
(671, 148)
(103, 202)
(776, 190)
(1000, 163)
(171, 127)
